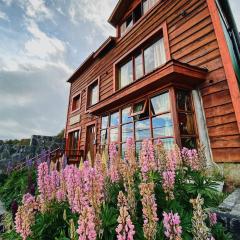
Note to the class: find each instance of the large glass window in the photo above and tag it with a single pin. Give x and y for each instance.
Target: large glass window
(154, 56)
(151, 118)
(141, 63)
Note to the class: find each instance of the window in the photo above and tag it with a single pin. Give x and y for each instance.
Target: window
(136, 14)
(141, 63)
(73, 140)
(93, 93)
(148, 4)
(154, 56)
(125, 74)
(185, 118)
(76, 102)
(151, 118)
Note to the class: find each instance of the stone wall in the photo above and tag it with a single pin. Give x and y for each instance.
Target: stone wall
(17, 152)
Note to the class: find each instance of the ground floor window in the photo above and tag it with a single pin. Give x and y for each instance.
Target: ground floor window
(73, 140)
(167, 115)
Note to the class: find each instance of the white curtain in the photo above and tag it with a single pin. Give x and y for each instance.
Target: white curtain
(159, 53)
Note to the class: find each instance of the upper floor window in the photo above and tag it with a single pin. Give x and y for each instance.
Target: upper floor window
(141, 63)
(148, 4)
(93, 93)
(76, 102)
(136, 14)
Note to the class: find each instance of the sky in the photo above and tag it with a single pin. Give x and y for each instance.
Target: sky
(41, 43)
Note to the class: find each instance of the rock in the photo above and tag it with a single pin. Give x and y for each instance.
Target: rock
(228, 213)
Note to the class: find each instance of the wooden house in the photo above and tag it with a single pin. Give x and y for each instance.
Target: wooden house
(171, 72)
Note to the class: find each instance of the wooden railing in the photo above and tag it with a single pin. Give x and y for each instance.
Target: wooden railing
(52, 156)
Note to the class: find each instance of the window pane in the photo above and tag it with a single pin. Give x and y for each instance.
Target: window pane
(148, 4)
(104, 137)
(154, 56)
(160, 103)
(125, 74)
(138, 107)
(137, 13)
(93, 94)
(114, 119)
(126, 115)
(184, 100)
(142, 129)
(123, 148)
(127, 131)
(104, 122)
(114, 135)
(76, 102)
(186, 124)
(189, 143)
(168, 143)
(138, 147)
(138, 66)
(162, 125)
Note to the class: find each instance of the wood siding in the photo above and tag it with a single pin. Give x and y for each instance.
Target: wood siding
(192, 40)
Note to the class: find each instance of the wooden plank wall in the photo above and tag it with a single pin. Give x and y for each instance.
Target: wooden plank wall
(193, 41)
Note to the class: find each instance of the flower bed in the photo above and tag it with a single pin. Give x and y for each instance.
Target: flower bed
(160, 195)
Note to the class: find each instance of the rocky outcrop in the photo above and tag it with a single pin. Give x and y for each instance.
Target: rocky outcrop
(229, 213)
(17, 152)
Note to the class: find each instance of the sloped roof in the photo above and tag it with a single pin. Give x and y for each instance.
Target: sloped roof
(118, 11)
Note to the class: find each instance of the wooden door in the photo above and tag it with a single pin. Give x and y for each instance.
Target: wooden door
(91, 142)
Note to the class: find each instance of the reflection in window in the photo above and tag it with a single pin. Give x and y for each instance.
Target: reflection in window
(160, 103)
(162, 125)
(126, 25)
(127, 131)
(114, 135)
(104, 137)
(183, 100)
(126, 74)
(104, 122)
(186, 124)
(189, 142)
(142, 129)
(154, 56)
(138, 107)
(126, 118)
(114, 119)
(138, 66)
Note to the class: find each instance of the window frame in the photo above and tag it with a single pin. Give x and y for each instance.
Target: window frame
(132, 114)
(88, 90)
(160, 32)
(72, 102)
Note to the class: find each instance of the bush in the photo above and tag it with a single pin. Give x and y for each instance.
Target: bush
(15, 185)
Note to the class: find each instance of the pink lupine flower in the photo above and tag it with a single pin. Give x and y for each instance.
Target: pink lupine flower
(168, 181)
(29, 201)
(212, 218)
(42, 173)
(147, 159)
(172, 161)
(125, 228)
(191, 158)
(171, 223)
(60, 195)
(130, 157)
(149, 210)
(86, 224)
(113, 158)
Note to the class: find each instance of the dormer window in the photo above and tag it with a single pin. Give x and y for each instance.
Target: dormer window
(142, 8)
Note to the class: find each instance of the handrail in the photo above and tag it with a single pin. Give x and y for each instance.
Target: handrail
(33, 160)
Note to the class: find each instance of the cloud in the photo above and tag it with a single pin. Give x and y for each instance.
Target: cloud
(95, 12)
(3, 16)
(41, 45)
